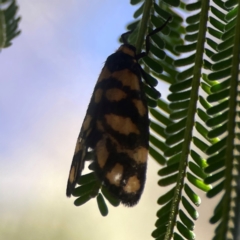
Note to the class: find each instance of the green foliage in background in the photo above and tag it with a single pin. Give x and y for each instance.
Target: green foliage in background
(195, 133)
(8, 22)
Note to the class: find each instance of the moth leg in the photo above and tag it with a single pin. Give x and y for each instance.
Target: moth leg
(144, 76)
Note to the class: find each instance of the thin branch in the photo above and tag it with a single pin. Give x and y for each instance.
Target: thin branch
(190, 118)
(143, 24)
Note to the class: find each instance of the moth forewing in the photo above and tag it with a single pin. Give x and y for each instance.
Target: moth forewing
(116, 127)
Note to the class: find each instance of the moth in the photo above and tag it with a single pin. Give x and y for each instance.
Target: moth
(116, 126)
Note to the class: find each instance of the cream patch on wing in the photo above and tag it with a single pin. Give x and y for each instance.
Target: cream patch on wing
(101, 152)
(115, 94)
(72, 175)
(140, 155)
(86, 122)
(132, 185)
(105, 74)
(140, 106)
(127, 78)
(115, 175)
(98, 95)
(123, 125)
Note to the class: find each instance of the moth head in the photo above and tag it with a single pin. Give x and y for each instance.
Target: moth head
(127, 49)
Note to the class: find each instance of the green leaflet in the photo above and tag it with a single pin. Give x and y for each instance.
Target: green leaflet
(185, 232)
(102, 205)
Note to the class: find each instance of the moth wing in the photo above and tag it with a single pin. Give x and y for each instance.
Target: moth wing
(76, 166)
(85, 139)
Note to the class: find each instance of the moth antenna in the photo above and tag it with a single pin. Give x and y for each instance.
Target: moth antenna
(143, 54)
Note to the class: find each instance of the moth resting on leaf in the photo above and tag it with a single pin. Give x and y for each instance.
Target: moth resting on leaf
(116, 126)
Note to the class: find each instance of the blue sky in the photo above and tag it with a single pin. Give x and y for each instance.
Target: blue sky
(47, 78)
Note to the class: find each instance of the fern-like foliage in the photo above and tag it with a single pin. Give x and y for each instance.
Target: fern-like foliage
(223, 86)
(184, 162)
(205, 122)
(195, 132)
(200, 118)
(8, 22)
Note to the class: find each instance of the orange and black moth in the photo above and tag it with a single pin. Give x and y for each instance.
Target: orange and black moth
(116, 127)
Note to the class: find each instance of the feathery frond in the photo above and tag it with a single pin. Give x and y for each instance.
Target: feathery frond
(8, 22)
(223, 157)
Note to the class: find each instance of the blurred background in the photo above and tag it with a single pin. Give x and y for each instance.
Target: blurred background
(47, 78)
